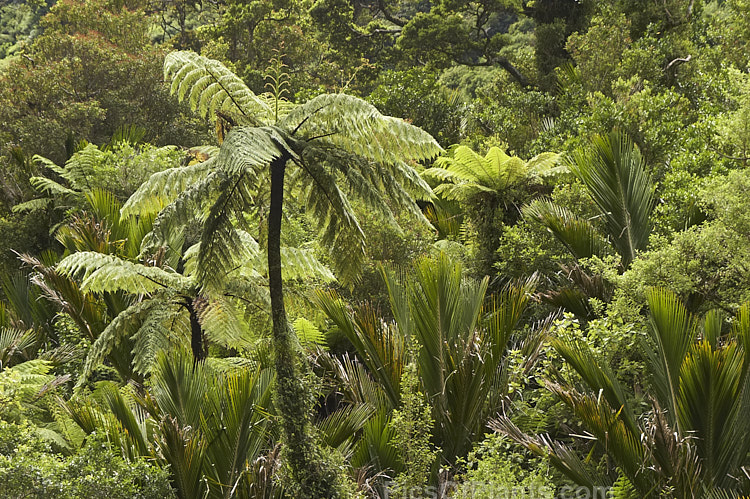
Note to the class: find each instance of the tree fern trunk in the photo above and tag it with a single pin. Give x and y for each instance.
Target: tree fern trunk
(294, 403)
(197, 343)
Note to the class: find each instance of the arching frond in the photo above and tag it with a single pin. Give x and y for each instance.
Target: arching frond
(578, 235)
(210, 87)
(222, 249)
(188, 207)
(108, 273)
(32, 205)
(546, 164)
(158, 331)
(297, 263)
(354, 125)
(249, 150)
(329, 206)
(50, 187)
(122, 326)
(164, 187)
(222, 322)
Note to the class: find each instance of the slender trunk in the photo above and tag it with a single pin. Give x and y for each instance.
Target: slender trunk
(309, 470)
(197, 343)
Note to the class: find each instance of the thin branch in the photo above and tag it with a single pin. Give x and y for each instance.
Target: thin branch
(678, 60)
(390, 17)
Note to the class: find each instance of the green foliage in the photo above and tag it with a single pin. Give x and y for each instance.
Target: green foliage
(412, 424)
(208, 426)
(91, 71)
(28, 468)
(492, 471)
(417, 96)
(704, 265)
(614, 174)
(462, 343)
(488, 188)
(690, 437)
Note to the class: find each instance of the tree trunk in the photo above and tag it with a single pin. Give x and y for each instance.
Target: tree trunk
(309, 470)
(197, 343)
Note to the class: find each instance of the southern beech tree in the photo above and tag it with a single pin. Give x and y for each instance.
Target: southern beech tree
(319, 154)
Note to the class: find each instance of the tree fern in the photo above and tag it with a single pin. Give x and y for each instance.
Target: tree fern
(316, 145)
(465, 174)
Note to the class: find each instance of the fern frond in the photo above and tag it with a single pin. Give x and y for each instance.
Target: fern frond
(52, 188)
(22, 382)
(222, 322)
(79, 169)
(121, 327)
(210, 87)
(156, 333)
(308, 333)
(547, 164)
(188, 207)
(33, 205)
(249, 150)
(330, 208)
(222, 249)
(297, 263)
(108, 273)
(354, 125)
(164, 187)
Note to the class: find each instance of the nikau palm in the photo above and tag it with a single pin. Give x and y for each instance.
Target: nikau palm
(307, 151)
(696, 437)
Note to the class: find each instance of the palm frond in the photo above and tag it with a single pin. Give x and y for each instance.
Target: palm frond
(380, 346)
(13, 344)
(578, 235)
(611, 431)
(598, 378)
(673, 332)
(615, 176)
(710, 406)
(237, 432)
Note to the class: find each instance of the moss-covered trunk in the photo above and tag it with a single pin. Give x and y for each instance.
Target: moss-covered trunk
(293, 400)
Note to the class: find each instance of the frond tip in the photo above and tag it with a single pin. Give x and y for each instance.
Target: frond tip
(210, 87)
